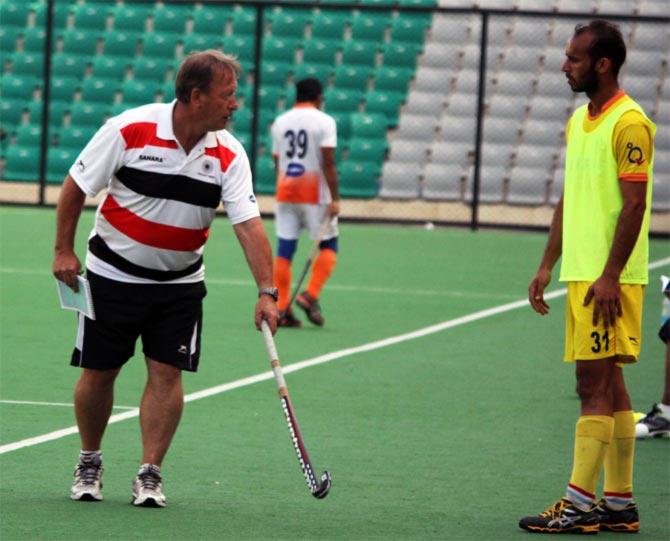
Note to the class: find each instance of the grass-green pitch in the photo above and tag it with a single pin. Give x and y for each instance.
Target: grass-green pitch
(446, 432)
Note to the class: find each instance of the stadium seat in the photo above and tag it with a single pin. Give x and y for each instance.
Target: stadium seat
(264, 175)
(290, 23)
(417, 127)
(57, 111)
(384, 102)
(330, 24)
(315, 71)
(110, 67)
(367, 149)
(445, 152)
(432, 80)
(543, 132)
(515, 84)
(100, 90)
(467, 82)
(500, 130)
(492, 184)
(30, 64)
(80, 42)
(455, 128)
(131, 17)
(504, 106)
(14, 13)
(400, 180)
(462, 105)
(28, 135)
(352, 77)
(75, 136)
(15, 86)
(59, 161)
(394, 79)
(275, 73)
(497, 154)
(34, 39)
(532, 33)
(244, 21)
(442, 181)
(139, 92)
(242, 120)
(211, 19)
(171, 18)
(527, 186)
(241, 46)
(11, 112)
(63, 88)
(88, 114)
(556, 185)
(377, 2)
(64, 65)
(90, 17)
(280, 49)
(320, 51)
(408, 151)
(368, 126)
(525, 59)
(358, 179)
(554, 108)
(8, 38)
(660, 201)
(158, 44)
(399, 55)
(359, 53)
(201, 42)
(121, 43)
(453, 29)
(369, 27)
(408, 30)
(343, 123)
(269, 96)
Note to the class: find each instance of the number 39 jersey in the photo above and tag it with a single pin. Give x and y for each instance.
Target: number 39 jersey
(298, 136)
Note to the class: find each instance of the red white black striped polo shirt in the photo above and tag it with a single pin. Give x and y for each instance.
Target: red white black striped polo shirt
(154, 220)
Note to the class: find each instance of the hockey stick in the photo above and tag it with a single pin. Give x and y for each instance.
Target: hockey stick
(319, 489)
(314, 250)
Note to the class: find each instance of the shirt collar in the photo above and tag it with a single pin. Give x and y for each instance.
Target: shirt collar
(607, 105)
(164, 129)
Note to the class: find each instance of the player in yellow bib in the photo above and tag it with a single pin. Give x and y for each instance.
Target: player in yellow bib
(600, 230)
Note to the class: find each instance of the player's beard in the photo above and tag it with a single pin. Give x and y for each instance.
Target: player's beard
(589, 82)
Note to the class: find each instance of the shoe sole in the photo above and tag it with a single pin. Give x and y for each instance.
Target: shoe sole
(149, 502)
(623, 527)
(85, 497)
(585, 530)
(306, 308)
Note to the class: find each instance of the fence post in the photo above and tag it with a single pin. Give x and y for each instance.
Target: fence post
(46, 91)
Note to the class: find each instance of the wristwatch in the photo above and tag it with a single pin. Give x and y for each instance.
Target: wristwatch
(272, 291)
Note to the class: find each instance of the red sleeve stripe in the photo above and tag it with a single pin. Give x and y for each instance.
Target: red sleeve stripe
(141, 134)
(634, 177)
(223, 154)
(149, 233)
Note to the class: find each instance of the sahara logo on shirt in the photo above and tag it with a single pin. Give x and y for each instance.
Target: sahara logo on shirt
(635, 154)
(295, 169)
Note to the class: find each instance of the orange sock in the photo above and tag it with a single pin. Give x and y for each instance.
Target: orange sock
(282, 280)
(323, 267)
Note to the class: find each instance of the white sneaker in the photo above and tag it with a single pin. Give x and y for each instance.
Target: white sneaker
(87, 480)
(148, 487)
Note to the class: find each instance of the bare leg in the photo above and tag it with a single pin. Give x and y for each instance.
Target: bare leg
(93, 400)
(160, 411)
(595, 386)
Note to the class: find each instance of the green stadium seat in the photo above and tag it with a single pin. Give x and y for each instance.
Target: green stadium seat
(241, 46)
(400, 55)
(97, 89)
(90, 17)
(61, 13)
(64, 65)
(167, 90)
(264, 175)
(280, 49)
(418, 3)
(244, 21)
(59, 161)
(320, 51)
(119, 108)
(34, 40)
(80, 42)
(75, 136)
(358, 179)
(242, 120)
(368, 126)
(17, 86)
(110, 67)
(314, 71)
(377, 2)
(171, 18)
(352, 77)
(407, 29)
(148, 68)
(8, 37)
(343, 126)
(290, 23)
(341, 100)
(275, 73)
(369, 27)
(265, 119)
(359, 53)
(201, 42)
(63, 88)
(57, 111)
(244, 95)
(329, 25)
(363, 149)
(385, 102)
(159, 44)
(395, 79)
(88, 114)
(14, 13)
(31, 64)
(269, 96)
(28, 135)
(423, 16)
(131, 18)
(211, 20)
(121, 43)
(11, 112)
(22, 163)
(139, 92)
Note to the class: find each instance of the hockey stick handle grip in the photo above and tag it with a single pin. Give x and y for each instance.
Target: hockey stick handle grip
(274, 358)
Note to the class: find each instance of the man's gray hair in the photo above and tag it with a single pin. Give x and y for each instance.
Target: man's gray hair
(199, 70)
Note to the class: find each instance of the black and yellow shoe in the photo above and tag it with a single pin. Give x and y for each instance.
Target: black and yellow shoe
(626, 520)
(562, 517)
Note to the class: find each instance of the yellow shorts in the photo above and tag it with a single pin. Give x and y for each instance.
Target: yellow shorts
(584, 342)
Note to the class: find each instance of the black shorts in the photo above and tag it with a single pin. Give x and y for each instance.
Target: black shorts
(168, 317)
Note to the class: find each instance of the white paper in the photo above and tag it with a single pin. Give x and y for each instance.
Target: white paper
(80, 301)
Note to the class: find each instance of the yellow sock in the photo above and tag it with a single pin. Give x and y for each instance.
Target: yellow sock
(282, 280)
(593, 434)
(619, 462)
(323, 267)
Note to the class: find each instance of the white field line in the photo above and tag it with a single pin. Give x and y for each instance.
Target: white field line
(334, 287)
(64, 404)
(432, 329)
